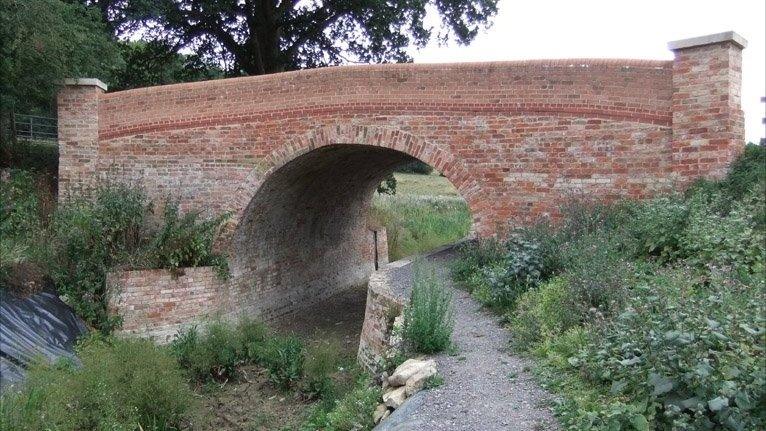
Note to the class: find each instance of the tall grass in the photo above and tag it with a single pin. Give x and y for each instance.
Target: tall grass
(416, 224)
(121, 385)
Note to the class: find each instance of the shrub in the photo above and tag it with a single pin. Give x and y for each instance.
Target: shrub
(428, 319)
(745, 173)
(184, 241)
(122, 385)
(353, 411)
(36, 156)
(658, 228)
(91, 237)
(473, 256)
(734, 240)
(597, 273)
(686, 353)
(283, 358)
(543, 313)
(19, 206)
(388, 185)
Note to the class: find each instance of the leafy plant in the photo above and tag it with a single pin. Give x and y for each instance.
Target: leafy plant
(283, 358)
(429, 317)
(185, 240)
(353, 411)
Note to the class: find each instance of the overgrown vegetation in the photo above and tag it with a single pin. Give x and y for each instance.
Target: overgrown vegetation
(74, 246)
(643, 315)
(345, 396)
(429, 317)
(131, 384)
(119, 385)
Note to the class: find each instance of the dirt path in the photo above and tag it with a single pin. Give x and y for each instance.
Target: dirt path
(485, 386)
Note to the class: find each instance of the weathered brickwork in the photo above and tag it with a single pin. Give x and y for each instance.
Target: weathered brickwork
(708, 122)
(295, 156)
(157, 304)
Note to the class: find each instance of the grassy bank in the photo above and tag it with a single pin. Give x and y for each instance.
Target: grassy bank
(642, 315)
(426, 212)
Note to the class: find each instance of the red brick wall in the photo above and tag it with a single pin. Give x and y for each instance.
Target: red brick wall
(157, 304)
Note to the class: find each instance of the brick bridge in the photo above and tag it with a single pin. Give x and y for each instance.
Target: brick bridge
(295, 156)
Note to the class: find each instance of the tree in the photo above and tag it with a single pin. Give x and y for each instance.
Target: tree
(154, 63)
(45, 41)
(264, 36)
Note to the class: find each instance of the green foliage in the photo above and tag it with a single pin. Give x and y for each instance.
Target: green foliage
(273, 37)
(416, 225)
(321, 362)
(474, 256)
(434, 381)
(745, 173)
(149, 63)
(186, 241)
(429, 317)
(388, 185)
(544, 313)
(215, 353)
(732, 240)
(353, 411)
(415, 167)
(19, 205)
(283, 357)
(686, 353)
(212, 355)
(659, 227)
(89, 238)
(597, 274)
(45, 41)
(123, 384)
(37, 156)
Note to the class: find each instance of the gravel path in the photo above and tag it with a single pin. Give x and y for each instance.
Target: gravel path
(485, 386)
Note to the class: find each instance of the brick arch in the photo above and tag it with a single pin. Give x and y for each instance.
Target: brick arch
(370, 135)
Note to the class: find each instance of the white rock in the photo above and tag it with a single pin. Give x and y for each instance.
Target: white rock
(418, 380)
(380, 410)
(395, 397)
(409, 368)
(386, 414)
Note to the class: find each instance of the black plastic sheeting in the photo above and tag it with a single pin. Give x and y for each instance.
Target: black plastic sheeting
(40, 325)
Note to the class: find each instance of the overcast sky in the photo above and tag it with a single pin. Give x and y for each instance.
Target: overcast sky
(617, 29)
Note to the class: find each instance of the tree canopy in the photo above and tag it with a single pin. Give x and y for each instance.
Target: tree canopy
(255, 37)
(45, 41)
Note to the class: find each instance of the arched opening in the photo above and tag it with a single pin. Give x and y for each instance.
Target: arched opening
(307, 233)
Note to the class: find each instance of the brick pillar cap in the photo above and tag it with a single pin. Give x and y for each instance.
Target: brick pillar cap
(727, 36)
(85, 81)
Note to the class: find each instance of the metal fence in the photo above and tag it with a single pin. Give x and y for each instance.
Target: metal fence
(35, 127)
